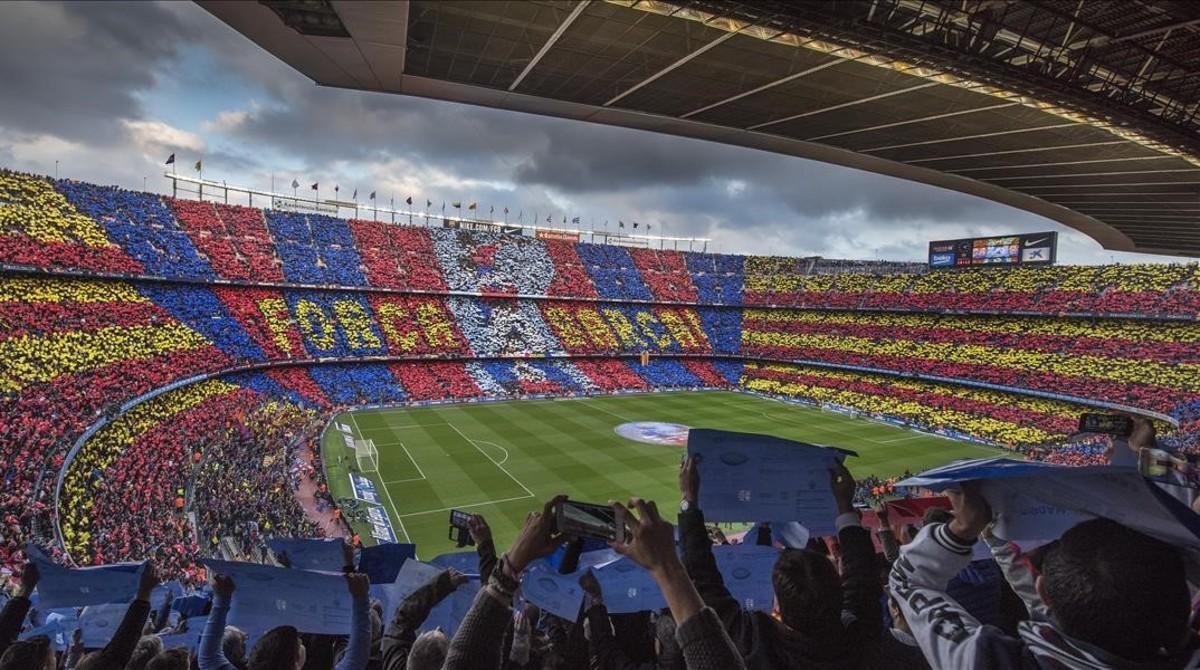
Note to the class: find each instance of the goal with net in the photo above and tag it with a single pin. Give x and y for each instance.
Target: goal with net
(366, 456)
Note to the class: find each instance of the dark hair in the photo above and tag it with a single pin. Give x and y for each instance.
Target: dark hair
(808, 590)
(171, 659)
(1117, 589)
(27, 654)
(278, 649)
(936, 515)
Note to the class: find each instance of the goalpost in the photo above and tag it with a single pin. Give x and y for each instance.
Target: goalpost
(366, 455)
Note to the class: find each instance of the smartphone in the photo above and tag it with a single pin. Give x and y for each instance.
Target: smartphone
(582, 519)
(1109, 424)
(460, 532)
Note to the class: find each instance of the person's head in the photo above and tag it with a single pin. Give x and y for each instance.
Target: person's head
(36, 653)
(936, 515)
(279, 649)
(171, 659)
(1117, 589)
(808, 590)
(147, 648)
(428, 651)
(898, 620)
(233, 645)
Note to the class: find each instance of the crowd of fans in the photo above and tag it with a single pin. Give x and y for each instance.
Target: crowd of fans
(73, 350)
(889, 588)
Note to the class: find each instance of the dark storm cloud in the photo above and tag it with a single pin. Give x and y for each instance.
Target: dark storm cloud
(73, 70)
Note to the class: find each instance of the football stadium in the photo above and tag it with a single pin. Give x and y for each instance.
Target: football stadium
(525, 443)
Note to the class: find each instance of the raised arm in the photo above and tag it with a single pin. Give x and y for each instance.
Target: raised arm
(358, 651)
(1017, 572)
(118, 650)
(651, 544)
(401, 632)
(696, 548)
(18, 606)
(481, 532)
(862, 594)
(479, 639)
(210, 655)
(948, 635)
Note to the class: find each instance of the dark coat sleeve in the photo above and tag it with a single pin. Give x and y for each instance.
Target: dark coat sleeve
(402, 630)
(11, 617)
(701, 566)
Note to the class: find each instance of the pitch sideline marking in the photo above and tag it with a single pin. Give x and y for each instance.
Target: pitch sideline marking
(479, 504)
(413, 460)
(395, 512)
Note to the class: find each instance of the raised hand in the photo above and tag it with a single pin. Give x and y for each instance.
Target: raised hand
(589, 584)
(223, 586)
(689, 480)
(843, 488)
(29, 579)
(480, 531)
(148, 580)
(537, 539)
(971, 511)
(650, 541)
(457, 578)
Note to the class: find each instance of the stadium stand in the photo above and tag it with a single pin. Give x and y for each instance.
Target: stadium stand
(109, 295)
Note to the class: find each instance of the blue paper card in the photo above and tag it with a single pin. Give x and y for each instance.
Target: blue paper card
(746, 570)
(382, 562)
(267, 596)
(628, 588)
(326, 555)
(66, 587)
(747, 477)
(560, 595)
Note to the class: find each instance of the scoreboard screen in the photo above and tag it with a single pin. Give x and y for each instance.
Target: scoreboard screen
(1011, 250)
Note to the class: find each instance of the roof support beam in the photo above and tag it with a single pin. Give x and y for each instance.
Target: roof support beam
(1140, 183)
(1078, 175)
(677, 64)
(923, 119)
(778, 82)
(1086, 162)
(1016, 151)
(558, 32)
(850, 103)
(970, 137)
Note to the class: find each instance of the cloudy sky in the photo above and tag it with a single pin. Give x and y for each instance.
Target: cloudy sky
(109, 90)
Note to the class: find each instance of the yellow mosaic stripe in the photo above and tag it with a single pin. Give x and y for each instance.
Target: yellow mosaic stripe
(23, 289)
(32, 359)
(30, 205)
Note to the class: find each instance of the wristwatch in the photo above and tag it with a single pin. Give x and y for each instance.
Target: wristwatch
(685, 505)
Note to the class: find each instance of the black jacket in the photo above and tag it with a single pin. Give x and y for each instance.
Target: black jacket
(767, 644)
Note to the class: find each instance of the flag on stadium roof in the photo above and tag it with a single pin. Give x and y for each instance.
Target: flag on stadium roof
(471, 206)
(171, 159)
(197, 166)
(635, 225)
(456, 204)
(372, 196)
(575, 220)
(314, 185)
(620, 224)
(336, 188)
(355, 196)
(408, 201)
(295, 184)
(428, 203)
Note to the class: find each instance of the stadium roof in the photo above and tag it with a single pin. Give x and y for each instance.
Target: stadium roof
(1086, 112)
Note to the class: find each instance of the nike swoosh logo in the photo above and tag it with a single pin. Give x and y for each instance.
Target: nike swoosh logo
(1030, 243)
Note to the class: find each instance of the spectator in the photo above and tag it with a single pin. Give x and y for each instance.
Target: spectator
(1107, 597)
(820, 618)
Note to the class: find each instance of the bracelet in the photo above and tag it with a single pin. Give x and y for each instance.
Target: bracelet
(503, 579)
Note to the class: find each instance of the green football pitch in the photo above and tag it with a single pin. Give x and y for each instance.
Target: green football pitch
(504, 459)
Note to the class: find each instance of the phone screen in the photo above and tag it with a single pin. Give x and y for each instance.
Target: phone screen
(588, 520)
(459, 518)
(1109, 424)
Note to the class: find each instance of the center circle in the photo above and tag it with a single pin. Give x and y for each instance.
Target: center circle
(654, 432)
